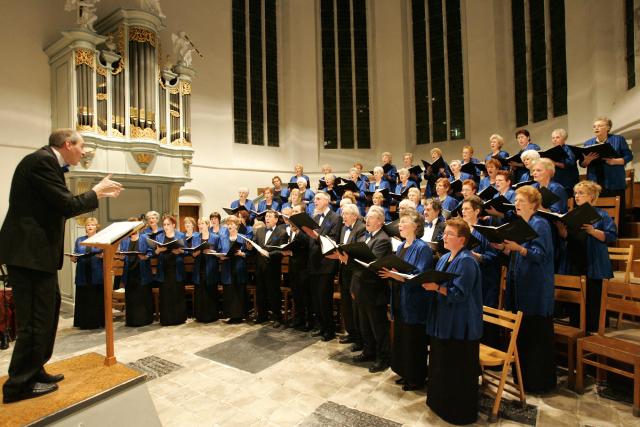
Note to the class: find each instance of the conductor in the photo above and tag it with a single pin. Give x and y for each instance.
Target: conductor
(31, 245)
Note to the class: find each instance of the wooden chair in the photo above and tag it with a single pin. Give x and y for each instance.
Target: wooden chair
(572, 290)
(610, 204)
(118, 296)
(622, 255)
(503, 287)
(490, 356)
(597, 350)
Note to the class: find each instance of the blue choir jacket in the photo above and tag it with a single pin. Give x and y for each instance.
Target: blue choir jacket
(179, 259)
(613, 177)
(81, 265)
(567, 176)
(484, 183)
(530, 279)
(262, 206)
(490, 270)
(561, 205)
(458, 315)
(144, 266)
(212, 274)
(414, 300)
(449, 203)
(295, 179)
(598, 262)
(247, 204)
(501, 155)
(236, 265)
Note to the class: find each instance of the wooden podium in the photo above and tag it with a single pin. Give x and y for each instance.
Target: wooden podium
(108, 240)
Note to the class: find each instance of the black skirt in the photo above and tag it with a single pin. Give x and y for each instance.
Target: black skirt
(452, 386)
(138, 301)
(409, 352)
(233, 296)
(88, 312)
(172, 300)
(537, 354)
(205, 298)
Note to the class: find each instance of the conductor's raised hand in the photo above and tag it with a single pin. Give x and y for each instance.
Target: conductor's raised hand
(107, 188)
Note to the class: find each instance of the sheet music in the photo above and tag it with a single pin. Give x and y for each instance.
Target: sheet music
(113, 233)
(395, 243)
(327, 244)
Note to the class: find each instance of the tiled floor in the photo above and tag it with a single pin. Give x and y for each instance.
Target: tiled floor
(311, 387)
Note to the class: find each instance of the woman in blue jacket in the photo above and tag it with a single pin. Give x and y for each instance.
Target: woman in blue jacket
(586, 254)
(530, 289)
(136, 278)
(455, 328)
(409, 307)
(88, 310)
(170, 274)
(234, 272)
(206, 275)
(442, 190)
(609, 173)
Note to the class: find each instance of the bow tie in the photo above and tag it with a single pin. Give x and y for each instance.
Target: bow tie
(367, 235)
(64, 168)
(348, 228)
(428, 224)
(269, 229)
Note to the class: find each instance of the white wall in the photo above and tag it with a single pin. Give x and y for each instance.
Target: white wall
(595, 64)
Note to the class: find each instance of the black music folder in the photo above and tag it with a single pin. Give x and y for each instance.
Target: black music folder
(518, 231)
(500, 203)
(575, 218)
(548, 197)
(302, 219)
(555, 154)
(392, 228)
(488, 193)
(233, 211)
(605, 151)
(389, 262)
(430, 276)
(172, 244)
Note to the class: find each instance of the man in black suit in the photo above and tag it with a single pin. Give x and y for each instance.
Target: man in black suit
(352, 229)
(268, 269)
(298, 258)
(322, 270)
(372, 295)
(31, 245)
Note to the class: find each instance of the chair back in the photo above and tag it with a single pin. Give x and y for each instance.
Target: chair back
(188, 263)
(624, 255)
(504, 319)
(572, 289)
(117, 266)
(503, 286)
(621, 297)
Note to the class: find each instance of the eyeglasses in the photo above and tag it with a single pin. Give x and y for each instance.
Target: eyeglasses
(449, 234)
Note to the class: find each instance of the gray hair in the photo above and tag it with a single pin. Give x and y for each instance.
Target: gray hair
(152, 213)
(376, 211)
(378, 169)
(406, 203)
(301, 180)
(547, 164)
(350, 208)
(530, 154)
(323, 195)
(59, 136)
(562, 133)
(403, 171)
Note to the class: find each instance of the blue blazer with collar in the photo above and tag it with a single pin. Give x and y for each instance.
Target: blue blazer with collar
(179, 259)
(236, 265)
(262, 206)
(561, 205)
(414, 300)
(530, 280)
(146, 276)
(567, 176)
(613, 177)
(458, 315)
(81, 265)
(490, 270)
(212, 275)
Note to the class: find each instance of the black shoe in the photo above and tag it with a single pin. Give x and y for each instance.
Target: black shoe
(276, 324)
(400, 381)
(328, 337)
(347, 339)
(317, 333)
(379, 367)
(233, 321)
(45, 378)
(297, 323)
(363, 358)
(411, 387)
(356, 347)
(37, 390)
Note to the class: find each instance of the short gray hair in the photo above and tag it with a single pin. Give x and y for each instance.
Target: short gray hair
(376, 211)
(350, 208)
(301, 180)
(530, 154)
(562, 133)
(59, 136)
(323, 195)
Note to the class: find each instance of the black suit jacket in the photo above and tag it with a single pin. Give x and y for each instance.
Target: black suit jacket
(278, 237)
(357, 231)
(331, 228)
(366, 285)
(438, 229)
(32, 235)
(300, 251)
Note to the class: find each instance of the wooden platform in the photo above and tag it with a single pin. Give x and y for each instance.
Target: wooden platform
(87, 382)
